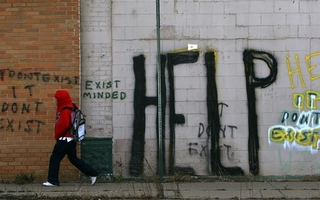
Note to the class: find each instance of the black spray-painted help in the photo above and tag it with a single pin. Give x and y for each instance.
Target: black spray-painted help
(214, 120)
(140, 104)
(214, 126)
(252, 82)
(174, 118)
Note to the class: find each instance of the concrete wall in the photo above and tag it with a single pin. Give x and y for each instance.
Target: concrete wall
(259, 119)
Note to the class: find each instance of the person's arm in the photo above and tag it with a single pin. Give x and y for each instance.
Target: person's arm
(63, 125)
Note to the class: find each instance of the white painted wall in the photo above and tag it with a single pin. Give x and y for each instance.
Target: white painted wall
(113, 32)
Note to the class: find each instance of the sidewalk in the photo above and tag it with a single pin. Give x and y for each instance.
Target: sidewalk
(190, 190)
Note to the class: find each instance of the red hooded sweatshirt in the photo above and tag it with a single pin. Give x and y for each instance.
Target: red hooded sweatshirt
(63, 116)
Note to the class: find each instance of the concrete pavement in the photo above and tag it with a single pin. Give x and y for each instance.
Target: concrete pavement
(186, 190)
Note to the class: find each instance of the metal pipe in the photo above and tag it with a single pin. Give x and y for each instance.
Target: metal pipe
(160, 167)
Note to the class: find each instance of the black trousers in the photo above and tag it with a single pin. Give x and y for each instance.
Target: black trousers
(62, 148)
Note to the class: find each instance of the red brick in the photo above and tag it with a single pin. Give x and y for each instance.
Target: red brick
(35, 37)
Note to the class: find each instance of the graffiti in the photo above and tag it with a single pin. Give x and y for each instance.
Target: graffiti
(205, 151)
(12, 125)
(203, 148)
(92, 85)
(213, 114)
(105, 95)
(299, 128)
(137, 149)
(18, 79)
(304, 119)
(230, 157)
(191, 149)
(305, 133)
(253, 82)
(224, 130)
(23, 107)
(222, 105)
(298, 70)
(20, 125)
(141, 101)
(290, 136)
(37, 76)
(202, 129)
(214, 121)
(207, 130)
(89, 85)
(174, 118)
(298, 99)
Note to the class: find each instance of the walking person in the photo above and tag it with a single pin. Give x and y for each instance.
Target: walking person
(65, 145)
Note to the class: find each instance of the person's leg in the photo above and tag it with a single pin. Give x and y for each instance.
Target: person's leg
(78, 163)
(59, 151)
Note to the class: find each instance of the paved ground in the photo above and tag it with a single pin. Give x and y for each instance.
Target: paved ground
(190, 190)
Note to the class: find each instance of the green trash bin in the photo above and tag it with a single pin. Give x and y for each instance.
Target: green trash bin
(98, 153)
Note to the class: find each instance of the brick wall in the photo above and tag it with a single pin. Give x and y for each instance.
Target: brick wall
(39, 53)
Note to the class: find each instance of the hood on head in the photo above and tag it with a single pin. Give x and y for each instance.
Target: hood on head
(63, 97)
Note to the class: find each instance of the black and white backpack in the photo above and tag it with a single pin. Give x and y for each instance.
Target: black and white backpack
(78, 122)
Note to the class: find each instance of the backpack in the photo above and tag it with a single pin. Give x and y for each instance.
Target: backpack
(78, 123)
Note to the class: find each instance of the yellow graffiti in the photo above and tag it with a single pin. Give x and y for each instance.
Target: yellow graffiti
(311, 67)
(18, 83)
(304, 137)
(298, 70)
(297, 100)
(312, 97)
